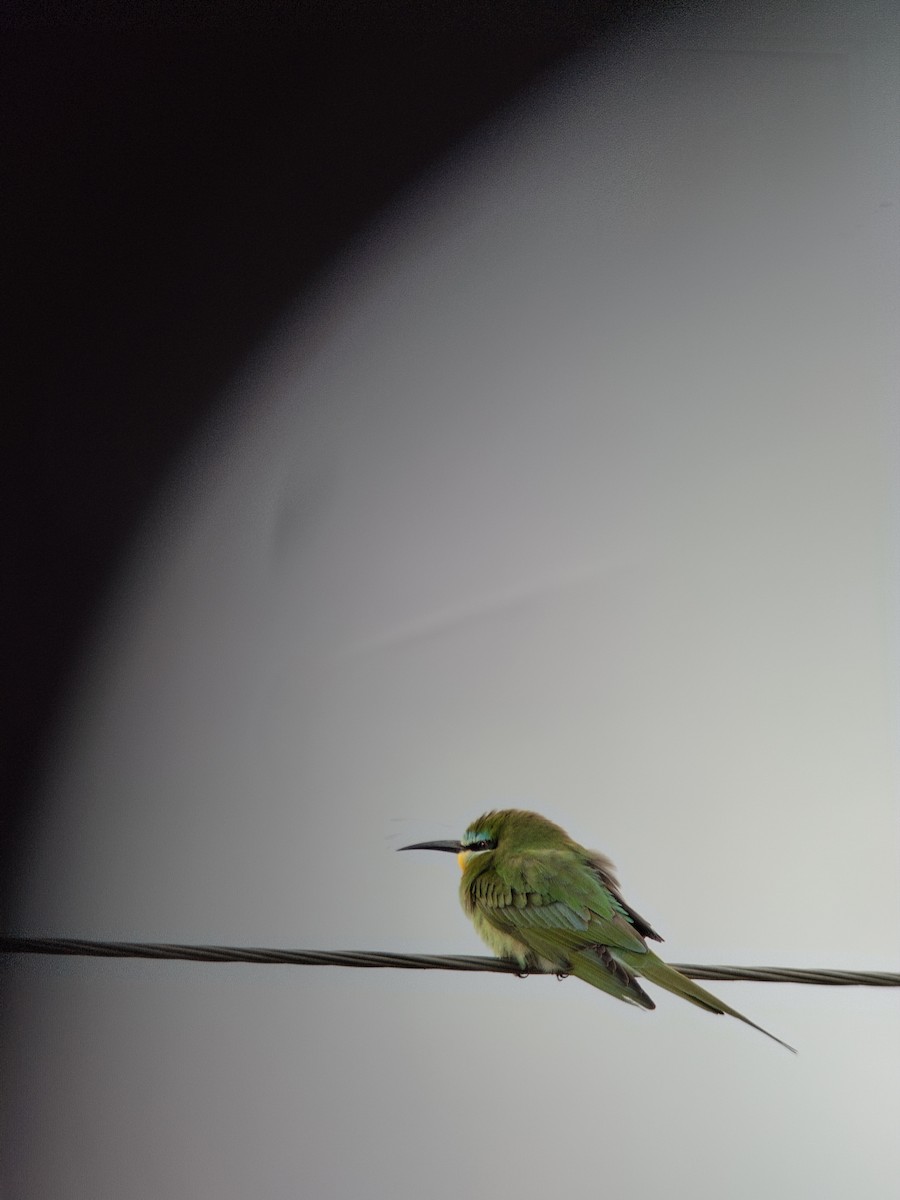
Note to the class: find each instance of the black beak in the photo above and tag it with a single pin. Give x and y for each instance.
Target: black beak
(450, 847)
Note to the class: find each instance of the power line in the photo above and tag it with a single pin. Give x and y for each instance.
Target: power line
(421, 962)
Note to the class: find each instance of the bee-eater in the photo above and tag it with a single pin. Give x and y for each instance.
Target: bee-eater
(537, 897)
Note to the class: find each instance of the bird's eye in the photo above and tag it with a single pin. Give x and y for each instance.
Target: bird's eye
(482, 844)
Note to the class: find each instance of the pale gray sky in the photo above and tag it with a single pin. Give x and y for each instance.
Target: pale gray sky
(576, 489)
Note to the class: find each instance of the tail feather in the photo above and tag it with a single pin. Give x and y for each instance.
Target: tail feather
(652, 968)
(598, 967)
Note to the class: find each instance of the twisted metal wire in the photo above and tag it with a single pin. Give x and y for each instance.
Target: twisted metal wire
(422, 962)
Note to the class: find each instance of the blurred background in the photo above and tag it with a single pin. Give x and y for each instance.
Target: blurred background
(420, 413)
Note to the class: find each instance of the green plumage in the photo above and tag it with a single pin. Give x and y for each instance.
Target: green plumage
(539, 898)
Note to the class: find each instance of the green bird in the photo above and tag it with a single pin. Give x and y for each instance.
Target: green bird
(539, 898)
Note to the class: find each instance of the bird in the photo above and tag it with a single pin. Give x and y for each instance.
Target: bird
(537, 897)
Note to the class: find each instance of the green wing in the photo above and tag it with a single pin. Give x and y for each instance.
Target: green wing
(552, 907)
(553, 904)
